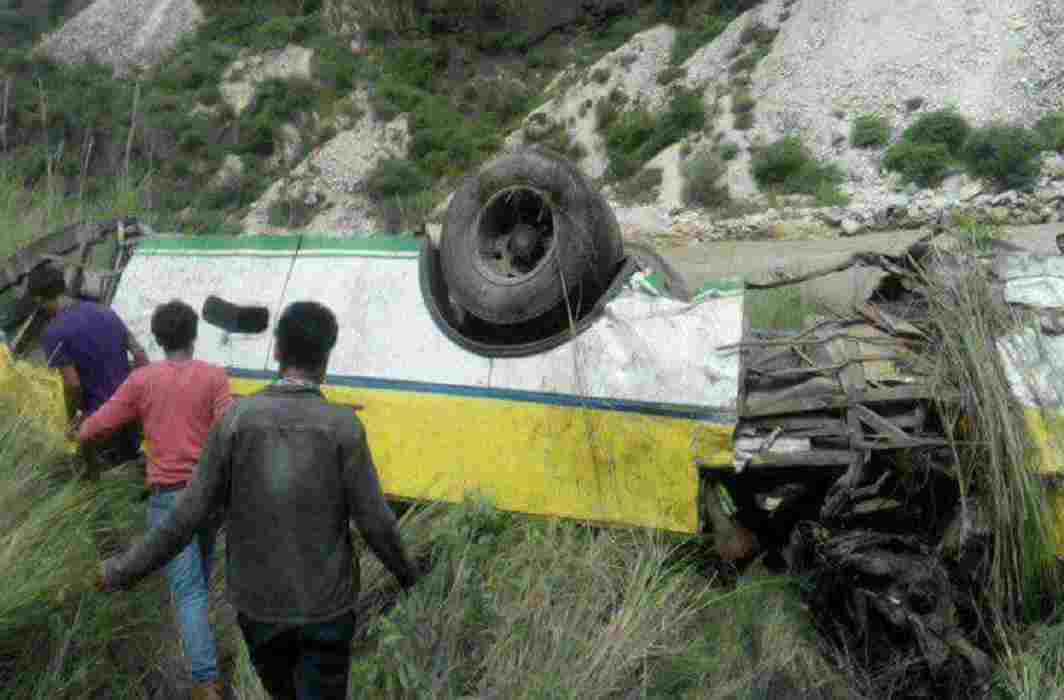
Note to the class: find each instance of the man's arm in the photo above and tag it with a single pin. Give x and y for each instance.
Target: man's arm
(371, 513)
(120, 409)
(140, 355)
(72, 389)
(205, 493)
(223, 396)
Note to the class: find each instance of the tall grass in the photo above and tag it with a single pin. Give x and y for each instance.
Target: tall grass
(997, 462)
(29, 212)
(56, 632)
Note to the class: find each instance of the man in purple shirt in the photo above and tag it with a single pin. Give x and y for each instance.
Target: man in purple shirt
(88, 343)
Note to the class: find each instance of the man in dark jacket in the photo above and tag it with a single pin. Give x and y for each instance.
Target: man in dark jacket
(290, 470)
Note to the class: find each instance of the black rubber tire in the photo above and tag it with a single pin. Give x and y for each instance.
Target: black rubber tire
(470, 334)
(585, 250)
(650, 260)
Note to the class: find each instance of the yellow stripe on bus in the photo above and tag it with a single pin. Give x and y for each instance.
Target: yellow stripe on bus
(608, 467)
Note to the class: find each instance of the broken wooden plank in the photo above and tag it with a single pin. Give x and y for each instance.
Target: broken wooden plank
(757, 406)
(879, 423)
(814, 458)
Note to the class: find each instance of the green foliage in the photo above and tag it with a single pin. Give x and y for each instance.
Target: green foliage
(728, 151)
(636, 136)
(744, 121)
(689, 40)
(601, 75)
(783, 308)
(923, 164)
(396, 177)
(671, 74)
(1051, 128)
(617, 34)
(411, 66)
(787, 166)
(1007, 156)
(944, 126)
(276, 103)
(870, 131)
(702, 173)
(289, 212)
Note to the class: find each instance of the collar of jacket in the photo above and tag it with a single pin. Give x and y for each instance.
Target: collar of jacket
(278, 388)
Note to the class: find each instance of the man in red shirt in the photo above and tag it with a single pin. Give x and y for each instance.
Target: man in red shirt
(178, 401)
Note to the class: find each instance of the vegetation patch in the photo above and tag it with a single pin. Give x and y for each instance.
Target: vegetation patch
(786, 166)
(396, 177)
(783, 308)
(945, 126)
(702, 173)
(728, 151)
(923, 164)
(870, 131)
(1007, 156)
(290, 212)
(636, 136)
(671, 74)
(1051, 129)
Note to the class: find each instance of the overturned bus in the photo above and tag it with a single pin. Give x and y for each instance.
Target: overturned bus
(526, 356)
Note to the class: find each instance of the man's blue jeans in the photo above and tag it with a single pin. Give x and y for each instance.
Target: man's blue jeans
(189, 575)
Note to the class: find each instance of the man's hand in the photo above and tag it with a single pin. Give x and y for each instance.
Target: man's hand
(75, 426)
(102, 584)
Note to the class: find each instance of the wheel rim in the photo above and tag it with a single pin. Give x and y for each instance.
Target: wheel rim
(515, 235)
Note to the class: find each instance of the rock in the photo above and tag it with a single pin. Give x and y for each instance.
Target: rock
(291, 146)
(851, 227)
(971, 192)
(242, 77)
(998, 215)
(124, 35)
(1010, 198)
(538, 126)
(229, 174)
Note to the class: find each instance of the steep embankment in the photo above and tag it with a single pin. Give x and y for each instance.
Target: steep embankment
(652, 109)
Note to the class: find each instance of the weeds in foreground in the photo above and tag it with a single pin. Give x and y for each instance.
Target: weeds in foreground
(996, 460)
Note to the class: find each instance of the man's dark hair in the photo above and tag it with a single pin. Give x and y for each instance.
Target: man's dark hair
(174, 325)
(306, 334)
(46, 282)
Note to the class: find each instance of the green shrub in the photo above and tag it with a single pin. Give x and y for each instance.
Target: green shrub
(1051, 129)
(787, 166)
(601, 75)
(636, 136)
(728, 151)
(924, 164)
(290, 212)
(945, 126)
(870, 131)
(411, 66)
(744, 121)
(396, 177)
(671, 74)
(702, 173)
(1008, 156)
(689, 41)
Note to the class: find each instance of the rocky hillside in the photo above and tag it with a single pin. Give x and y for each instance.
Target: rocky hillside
(701, 118)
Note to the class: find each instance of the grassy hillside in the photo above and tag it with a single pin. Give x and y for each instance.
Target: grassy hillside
(464, 83)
